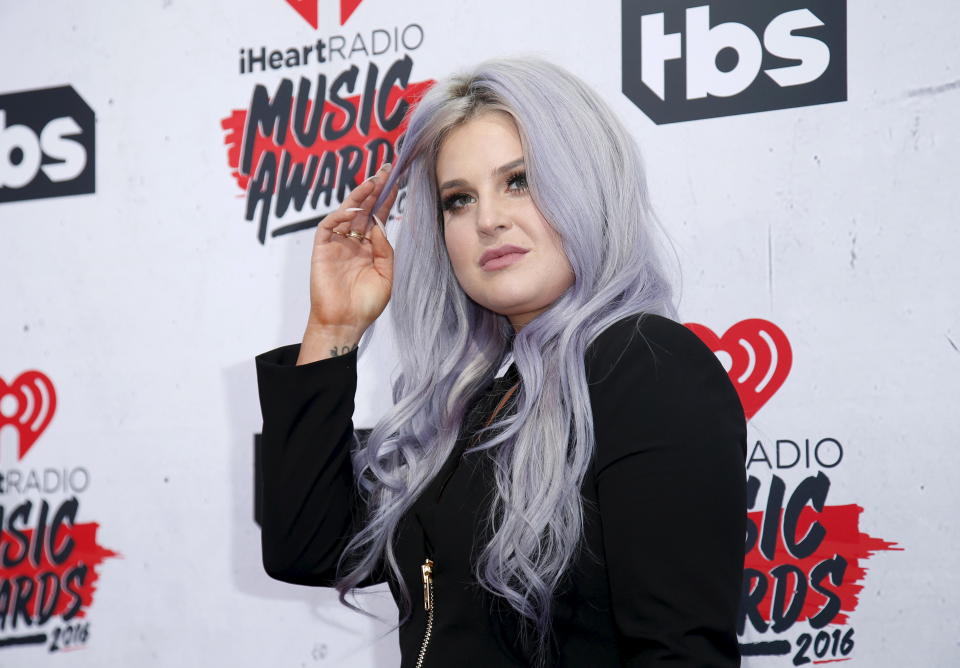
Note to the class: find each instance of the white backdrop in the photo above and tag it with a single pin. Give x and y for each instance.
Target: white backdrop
(144, 301)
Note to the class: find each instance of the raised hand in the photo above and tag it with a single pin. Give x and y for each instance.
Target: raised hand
(351, 272)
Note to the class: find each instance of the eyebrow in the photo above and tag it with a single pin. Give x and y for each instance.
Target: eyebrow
(458, 183)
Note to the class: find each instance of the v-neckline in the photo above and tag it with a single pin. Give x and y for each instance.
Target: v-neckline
(493, 393)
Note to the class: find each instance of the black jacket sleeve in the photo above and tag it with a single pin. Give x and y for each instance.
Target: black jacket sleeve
(310, 503)
(671, 485)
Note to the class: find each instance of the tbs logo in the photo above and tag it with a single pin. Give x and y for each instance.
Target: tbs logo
(690, 59)
(46, 144)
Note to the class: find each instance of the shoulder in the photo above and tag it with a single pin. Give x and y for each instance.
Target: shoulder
(646, 342)
(652, 380)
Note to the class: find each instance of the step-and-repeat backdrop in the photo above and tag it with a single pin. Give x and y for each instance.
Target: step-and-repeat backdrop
(155, 235)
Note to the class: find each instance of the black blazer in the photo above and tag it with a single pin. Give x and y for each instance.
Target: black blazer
(658, 579)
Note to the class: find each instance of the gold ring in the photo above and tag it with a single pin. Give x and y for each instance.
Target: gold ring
(351, 233)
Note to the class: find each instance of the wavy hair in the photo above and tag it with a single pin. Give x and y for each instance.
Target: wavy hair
(586, 177)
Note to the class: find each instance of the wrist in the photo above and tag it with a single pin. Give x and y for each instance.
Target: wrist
(325, 341)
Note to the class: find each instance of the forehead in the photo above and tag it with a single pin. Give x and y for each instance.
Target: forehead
(475, 146)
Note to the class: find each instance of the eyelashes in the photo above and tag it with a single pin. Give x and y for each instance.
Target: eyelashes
(515, 182)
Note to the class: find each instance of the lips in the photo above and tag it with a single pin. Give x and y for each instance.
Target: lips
(500, 251)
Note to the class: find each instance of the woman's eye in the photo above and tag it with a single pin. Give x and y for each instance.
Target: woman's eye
(455, 202)
(517, 181)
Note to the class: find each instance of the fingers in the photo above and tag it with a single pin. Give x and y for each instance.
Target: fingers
(341, 219)
(358, 194)
(382, 250)
(362, 221)
(380, 225)
(354, 200)
(353, 215)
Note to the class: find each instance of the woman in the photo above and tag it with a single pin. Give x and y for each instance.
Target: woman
(585, 508)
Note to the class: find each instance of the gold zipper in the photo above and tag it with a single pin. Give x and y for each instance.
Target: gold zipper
(426, 572)
(426, 568)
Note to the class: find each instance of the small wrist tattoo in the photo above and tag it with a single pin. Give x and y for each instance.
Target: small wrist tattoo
(342, 350)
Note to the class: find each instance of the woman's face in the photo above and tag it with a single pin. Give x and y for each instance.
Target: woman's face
(486, 205)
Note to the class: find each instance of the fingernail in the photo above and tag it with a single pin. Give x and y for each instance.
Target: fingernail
(354, 208)
(382, 228)
(387, 166)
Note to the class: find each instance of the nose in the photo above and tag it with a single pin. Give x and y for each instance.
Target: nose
(492, 216)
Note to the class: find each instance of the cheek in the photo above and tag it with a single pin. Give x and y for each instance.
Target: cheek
(457, 249)
(552, 238)
(558, 258)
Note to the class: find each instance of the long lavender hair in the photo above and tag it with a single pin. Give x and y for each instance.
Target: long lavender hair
(586, 177)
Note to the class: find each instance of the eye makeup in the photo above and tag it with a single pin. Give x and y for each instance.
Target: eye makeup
(515, 181)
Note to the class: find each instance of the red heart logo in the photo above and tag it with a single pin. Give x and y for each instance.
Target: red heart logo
(756, 355)
(28, 404)
(310, 10)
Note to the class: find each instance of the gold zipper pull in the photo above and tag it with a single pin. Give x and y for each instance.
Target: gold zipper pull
(426, 571)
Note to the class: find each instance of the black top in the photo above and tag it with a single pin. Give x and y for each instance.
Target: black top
(664, 508)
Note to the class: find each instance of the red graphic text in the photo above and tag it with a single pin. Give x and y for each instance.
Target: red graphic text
(48, 563)
(300, 147)
(803, 557)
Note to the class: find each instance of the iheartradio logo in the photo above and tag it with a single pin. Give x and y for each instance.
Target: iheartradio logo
(28, 404)
(310, 10)
(757, 356)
